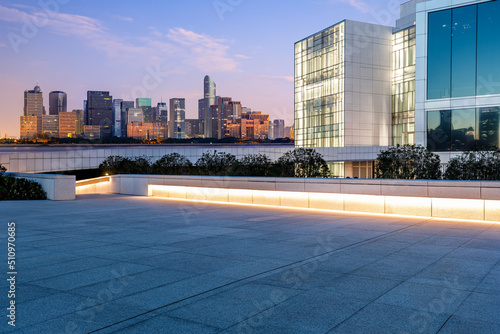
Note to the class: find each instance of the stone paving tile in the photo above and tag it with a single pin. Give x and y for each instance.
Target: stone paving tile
(232, 306)
(74, 280)
(435, 300)
(325, 309)
(164, 324)
(377, 318)
(482, 307)
(188, 268)
(468, 326)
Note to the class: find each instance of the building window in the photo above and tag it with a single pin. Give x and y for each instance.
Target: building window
(463, 129)
(463, 49)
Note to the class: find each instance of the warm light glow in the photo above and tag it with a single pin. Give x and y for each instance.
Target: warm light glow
(373, 205)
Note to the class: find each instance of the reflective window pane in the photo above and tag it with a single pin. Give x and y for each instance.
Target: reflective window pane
(463, 129)
(439, 55)
(463, 72)
(488, 48)
(439, 130)
(488, 122)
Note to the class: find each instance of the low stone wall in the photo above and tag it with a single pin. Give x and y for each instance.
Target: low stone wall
(443, 199)
(57, 187)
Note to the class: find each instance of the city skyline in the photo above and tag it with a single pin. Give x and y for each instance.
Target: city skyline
(122, 46)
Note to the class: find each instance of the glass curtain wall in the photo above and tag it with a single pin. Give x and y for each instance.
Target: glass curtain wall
(463, 129)
(463, 49)
(319, 89)
(403, 87)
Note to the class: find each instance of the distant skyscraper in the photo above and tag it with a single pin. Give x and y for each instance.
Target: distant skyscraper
(29, 127)
(162, 112)
(135, 115)
(214, 120)
(50, 125)
(58, 102)
(145, 104)
(193, 128)
(117, 118)
(67, 124)
(79, 121)
(33, 102)
(176, 124)
(126, 105)
(210, 90)
(100, 112)
(235, 110)
(84, 112)
(277, 129)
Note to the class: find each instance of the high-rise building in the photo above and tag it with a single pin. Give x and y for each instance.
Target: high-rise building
(162, 112)
(100, 112)
(135, 115)
(433, 80)
(147, 131)
(145, 104)
(236, 110)
(193, 128)
(67, 124)
(33, 102)
(79, 121)
(92, 132)
(210, 92)
(254, 125)
(58, 102)
(277, 129)
(214, 120)
(176, 124)
(29, 127)
(33, 105)
(50, 126)
(125, 106)
(117, 118)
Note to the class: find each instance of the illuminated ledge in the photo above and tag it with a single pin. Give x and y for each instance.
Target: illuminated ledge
(469, 209)
(93, 186)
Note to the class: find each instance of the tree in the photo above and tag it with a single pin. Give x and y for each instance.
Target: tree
(215, 163)
(301, 162)
(120, 165)
(408, 162)
(474, 165)
(172, 164)
(252, 165)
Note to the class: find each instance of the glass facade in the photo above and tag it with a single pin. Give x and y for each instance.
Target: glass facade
(463, 48)
(319, 89)
(463, 129)
(403, 87)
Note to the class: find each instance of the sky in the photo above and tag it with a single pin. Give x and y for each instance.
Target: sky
(163, 49)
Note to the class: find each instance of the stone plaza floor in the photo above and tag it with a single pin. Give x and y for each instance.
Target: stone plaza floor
(120, 264)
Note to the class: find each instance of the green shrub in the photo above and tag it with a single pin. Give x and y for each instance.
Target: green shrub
(408, 162)
(476, 165)
(252, 165)
(301, 162)
(215, 164)
(172, 164)
(120, 165)
(13, 189)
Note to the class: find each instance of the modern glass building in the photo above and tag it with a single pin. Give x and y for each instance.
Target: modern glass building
(58, 102)
(176, 124)
(100, 112)
(432, 80)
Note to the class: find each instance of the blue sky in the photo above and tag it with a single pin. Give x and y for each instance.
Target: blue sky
(163, 49)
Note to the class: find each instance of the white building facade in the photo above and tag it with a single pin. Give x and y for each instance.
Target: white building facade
(432, 80)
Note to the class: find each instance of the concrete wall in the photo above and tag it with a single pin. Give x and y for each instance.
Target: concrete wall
(57, 159)
(443, 199)
(57, 187)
